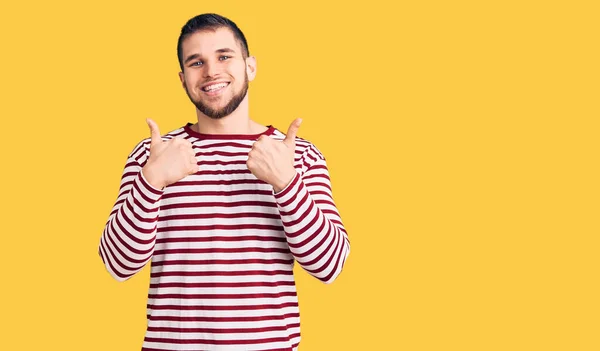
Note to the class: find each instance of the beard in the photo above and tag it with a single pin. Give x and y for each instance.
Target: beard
(218, 113)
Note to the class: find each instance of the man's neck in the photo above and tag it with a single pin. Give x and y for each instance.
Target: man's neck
(238, 122)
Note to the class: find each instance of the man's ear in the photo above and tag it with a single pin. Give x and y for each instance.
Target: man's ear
(182, 79)
(251, 67)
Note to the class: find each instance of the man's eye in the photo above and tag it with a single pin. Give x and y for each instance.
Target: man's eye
(223, 58)
(198, 63)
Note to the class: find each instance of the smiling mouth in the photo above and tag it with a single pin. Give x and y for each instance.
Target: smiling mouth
(215, 88)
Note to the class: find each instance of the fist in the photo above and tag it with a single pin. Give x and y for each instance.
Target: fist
(272, 161)
(169, 161)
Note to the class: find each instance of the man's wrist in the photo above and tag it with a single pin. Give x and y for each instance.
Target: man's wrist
(151, 178)
(284, 183)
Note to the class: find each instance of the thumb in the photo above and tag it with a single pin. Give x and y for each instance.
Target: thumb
(290, 138)
(154, 132)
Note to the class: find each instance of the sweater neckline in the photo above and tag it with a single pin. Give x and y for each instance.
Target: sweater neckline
(188, 129)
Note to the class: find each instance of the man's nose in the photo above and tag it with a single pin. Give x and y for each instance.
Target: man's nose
(210, 69)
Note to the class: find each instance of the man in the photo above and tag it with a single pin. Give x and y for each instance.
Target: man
(223, 208)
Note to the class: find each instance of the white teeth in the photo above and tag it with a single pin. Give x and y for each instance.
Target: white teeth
(215, 87)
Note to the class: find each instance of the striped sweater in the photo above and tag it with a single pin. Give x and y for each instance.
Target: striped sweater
(222, 245)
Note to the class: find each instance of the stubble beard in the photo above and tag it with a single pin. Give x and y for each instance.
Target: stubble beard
(226, 110)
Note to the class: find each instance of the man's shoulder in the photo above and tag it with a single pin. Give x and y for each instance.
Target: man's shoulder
(304, 146)
(142, 147)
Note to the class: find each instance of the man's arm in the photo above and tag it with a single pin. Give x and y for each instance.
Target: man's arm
(313, 226)
(314, 231)
(128, 239)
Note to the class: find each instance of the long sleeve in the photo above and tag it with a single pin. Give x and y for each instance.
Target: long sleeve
(314, 230)
(128, 239)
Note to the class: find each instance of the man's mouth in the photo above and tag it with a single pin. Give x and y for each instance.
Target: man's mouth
(215, 88)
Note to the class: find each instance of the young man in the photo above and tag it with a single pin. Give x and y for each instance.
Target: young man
(223, 208)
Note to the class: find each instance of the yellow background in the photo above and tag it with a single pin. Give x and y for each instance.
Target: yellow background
(461, 138)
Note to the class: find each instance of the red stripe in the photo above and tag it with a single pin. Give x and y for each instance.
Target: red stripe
(126, 184)
(292, 199)
(121, 216)
(289, 188)
(224, 319)
(220, 273)
(327, 251)
(221, 261)
(299, 218)
(217, 182)
(321, 184)
(147, 233)
(137, 203)
(218, 204)
(147, 186)
(260, 284)
(221, 250)
(222, 163)
(317, 175)
(221, 342)
(175, 228)
(125, 256)
(336, 264)
(227, 144)
(324, 202)
(292, 212)
(141, 147)
(219, 238)
(319, 192)
(131, 174)
(224, 172)
(217, 193)
(222, 153)
(153, 349)
(223, 308)
(302, 230)
(222, 296)
(139, 217)
(223, 330)
(126, 245)
(306, 252)
(109, 260)
(219, 215)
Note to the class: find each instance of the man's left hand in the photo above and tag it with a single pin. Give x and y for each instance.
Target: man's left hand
(272, 161)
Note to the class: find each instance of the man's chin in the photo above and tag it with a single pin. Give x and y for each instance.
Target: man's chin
(216, 116)
(222, 107)
(212, 112)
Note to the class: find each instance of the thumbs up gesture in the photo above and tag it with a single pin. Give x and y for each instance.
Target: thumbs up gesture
(272, 161)
(169, 161)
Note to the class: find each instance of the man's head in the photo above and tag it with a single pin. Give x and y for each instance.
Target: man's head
(210, 21)
(215, 64)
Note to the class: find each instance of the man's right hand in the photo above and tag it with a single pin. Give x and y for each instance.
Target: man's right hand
(169, 161)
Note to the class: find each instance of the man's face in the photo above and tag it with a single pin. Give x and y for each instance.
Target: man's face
(215, 75)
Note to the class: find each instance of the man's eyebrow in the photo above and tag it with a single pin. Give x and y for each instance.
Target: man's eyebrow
(191, 57)
(226, 50)
(195, 56)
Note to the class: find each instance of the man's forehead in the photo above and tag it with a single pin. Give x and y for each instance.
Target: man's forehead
(208, 41)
